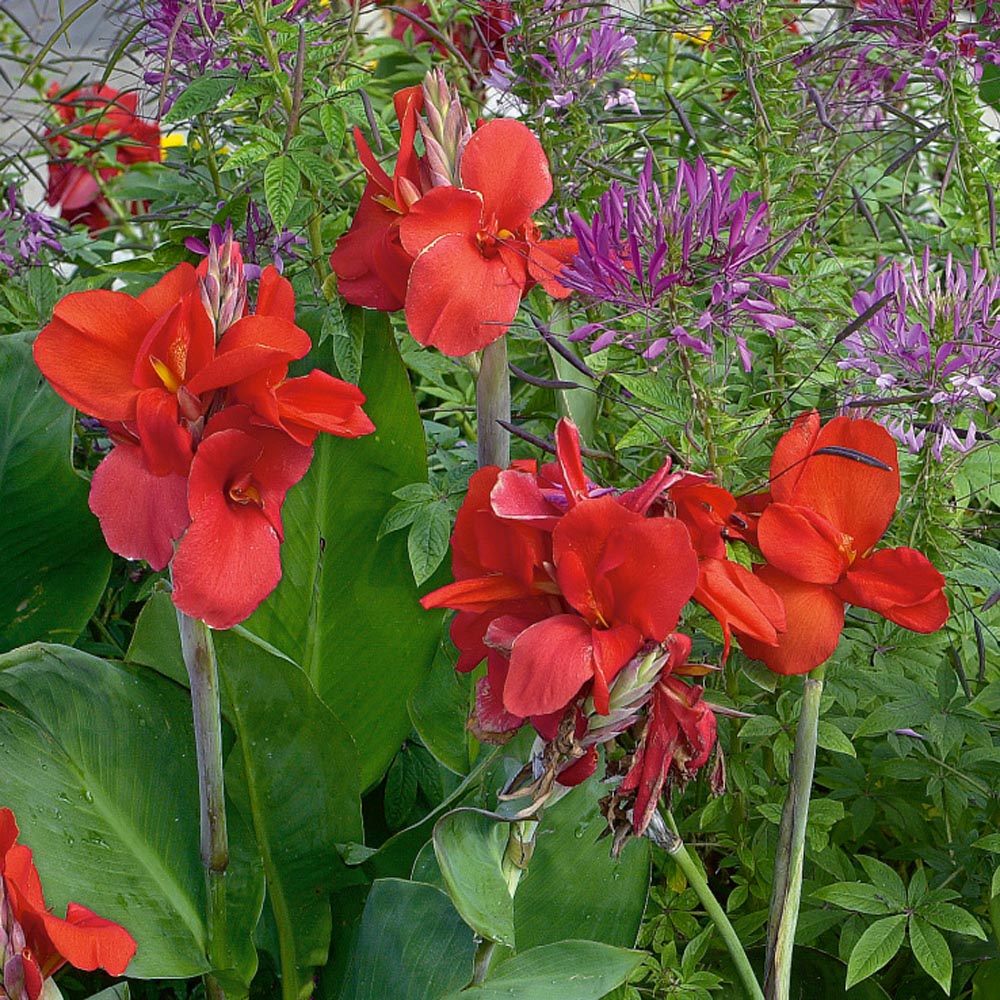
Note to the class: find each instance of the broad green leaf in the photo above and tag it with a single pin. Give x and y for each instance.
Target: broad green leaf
(886, 880)
(281, 185)
(953, 918)
(302, 786)
(205, 93)
(119, 991)
(439, 709)
(55, 562)
(831, 737)
(555, 902)
(346, 609)
(875, 948)
(412, 945)
(931, 951)
(99, 767)
(470, 845)
(581, 970)
(579, 404)
(859, 896)
(986, 982)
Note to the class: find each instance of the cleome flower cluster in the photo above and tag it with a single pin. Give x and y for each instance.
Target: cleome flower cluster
(209, 432)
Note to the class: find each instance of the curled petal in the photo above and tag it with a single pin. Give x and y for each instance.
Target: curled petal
(320, 402)
(900, 584)
(804, 544)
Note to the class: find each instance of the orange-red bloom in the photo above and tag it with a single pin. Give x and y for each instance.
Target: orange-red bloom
(33, 942)
(833, 492)
(75, 184)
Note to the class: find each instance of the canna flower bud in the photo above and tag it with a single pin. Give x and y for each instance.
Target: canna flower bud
(445, 130)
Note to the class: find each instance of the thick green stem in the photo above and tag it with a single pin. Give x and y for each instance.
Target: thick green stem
(203, 674)
(671, 842)
(492, 405)
(787, 891)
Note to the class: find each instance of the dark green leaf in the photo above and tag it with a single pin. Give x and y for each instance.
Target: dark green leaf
(205, 93)
(400, 791)
(427, 541)
(55, 562)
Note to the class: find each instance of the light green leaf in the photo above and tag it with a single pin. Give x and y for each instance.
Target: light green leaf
(412, 945)
(281, 185)
(858, 896)
(346, 609)
(470, 845)
(931, 951)
(334, 125)
(953, 918)
(875, 948)
(831, 737)
(99, 767)
(427, 540)
(247, 155)
(55, 562)
(991, 842)
(316, 169)
(886, 880)
(581, 970)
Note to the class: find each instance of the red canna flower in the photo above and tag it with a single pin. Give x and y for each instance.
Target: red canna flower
(370, 263)
(483, 232)
(677, 741)
(97, 116)
(33, 942)
(208, 437)
(833, 492)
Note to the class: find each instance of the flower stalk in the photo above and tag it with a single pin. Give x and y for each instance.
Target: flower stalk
(668, 838)
(493, 405)
(787, 891)
(203, 674)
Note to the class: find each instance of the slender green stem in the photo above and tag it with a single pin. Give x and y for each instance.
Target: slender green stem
(668, 839)
(493, 404)
(787, 891)
(481, 965)
(203, 674)
(210, 158)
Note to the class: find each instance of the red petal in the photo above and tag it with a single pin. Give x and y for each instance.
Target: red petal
(571, 461)
(613, 648)
(518, 497)
(141, 514)
(580, 770)
(549, 664)
(814, 619)
(507, 165)
(490, 713)
(88, 351)
(443, 211)
(900, 584)
(320, 402)
(457, 300)
(476, 594)
(170, 289)
(739, 600)
(166, 446)
(182, 339)
(545, 261)
(803, 544)
(793, 448)
(90, 942)
(275, 296)
(705, 509)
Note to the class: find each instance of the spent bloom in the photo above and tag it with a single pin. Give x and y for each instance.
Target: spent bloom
(35, 943)
(699, 245)
(930, 353)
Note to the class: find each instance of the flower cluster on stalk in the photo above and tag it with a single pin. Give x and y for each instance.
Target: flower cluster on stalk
(449, 237)
(928, 355)
(209, 431)
(26, 237)
(696, 250)
(35, 943)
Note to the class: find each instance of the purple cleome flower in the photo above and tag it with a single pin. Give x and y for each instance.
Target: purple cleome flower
(936, 343)
(655, 256)
(584, 46)
(24, 235)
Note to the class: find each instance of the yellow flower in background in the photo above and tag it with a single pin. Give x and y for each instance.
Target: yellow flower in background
(172, 140)
(703, 37)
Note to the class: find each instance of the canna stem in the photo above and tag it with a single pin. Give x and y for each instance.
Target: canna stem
(492, 405)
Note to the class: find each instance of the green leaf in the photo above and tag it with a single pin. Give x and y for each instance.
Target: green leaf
(55, 562)
(119, 991)
(886, 880)
(931, 951)
(953, 918)
(303, 788)
(42, 289)
(338, 577)
(831, 737)
(316, 169)
(348, 341)
(986, 982)
(553, 902)
(247, 155)
(581, 970)
(412, 945)
(991, 842)
(400, 791)
(470, 846)
(281, 185)
(99, 767)
(334, 125)
(858, 896)
(875, 948)
(427, 540)
(203, 94)
(439, 709)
